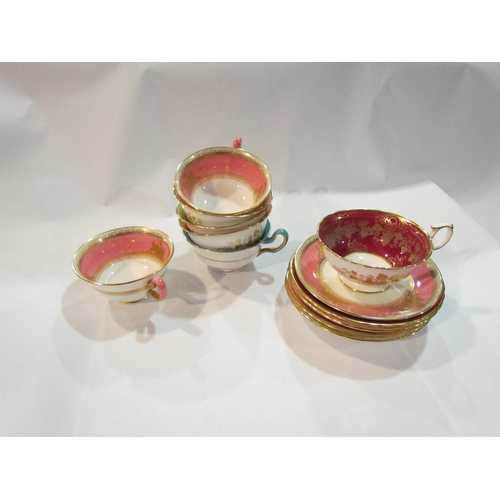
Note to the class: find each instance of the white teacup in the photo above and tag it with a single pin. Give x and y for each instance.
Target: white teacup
(230, 240)
(235, 260)
(126, 264)
(224, 220)
(192, 227)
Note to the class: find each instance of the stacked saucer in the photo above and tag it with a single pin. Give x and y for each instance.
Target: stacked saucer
(392, 311)
(224, 201)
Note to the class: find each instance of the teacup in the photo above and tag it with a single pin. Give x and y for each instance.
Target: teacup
(126, 264)
(230, 240)
(372, 249)
(225, 221)
(222, 186)
(231, 261)
(190, 226)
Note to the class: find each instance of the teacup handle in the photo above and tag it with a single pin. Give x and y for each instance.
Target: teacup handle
(270, 239)
(446, 238)
(161, 286)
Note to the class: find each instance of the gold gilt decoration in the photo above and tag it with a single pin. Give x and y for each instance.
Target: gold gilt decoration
(158, 250)
(385, 230)
(356, 246)
(242, 243)
(412, 302)
(404, 298)
(195, 220)
(321, 252)
(381, 278)
(189, 182)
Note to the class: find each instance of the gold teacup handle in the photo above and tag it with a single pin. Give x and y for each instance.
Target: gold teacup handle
(270, 239)
(447, 236)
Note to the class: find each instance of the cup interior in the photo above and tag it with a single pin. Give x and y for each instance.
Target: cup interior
(123, 255)
(375, 238)
(222, 181)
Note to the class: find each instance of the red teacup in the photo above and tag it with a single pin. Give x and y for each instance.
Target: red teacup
(372, 249)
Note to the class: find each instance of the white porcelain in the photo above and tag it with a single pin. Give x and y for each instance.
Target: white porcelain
(126, 264)
(224, 221)
(192, 227)
(372, 249)
(229, 241)
(235, 260)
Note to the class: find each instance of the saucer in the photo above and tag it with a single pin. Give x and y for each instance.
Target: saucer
(342, 330)
(410, 298)
(332, 315)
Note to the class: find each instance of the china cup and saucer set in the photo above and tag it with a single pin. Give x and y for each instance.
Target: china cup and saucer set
(366, 274)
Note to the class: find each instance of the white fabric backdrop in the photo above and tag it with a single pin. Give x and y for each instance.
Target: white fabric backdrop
(335, 126)
(88, 147)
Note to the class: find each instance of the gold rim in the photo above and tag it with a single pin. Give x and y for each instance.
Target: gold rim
(229, 151)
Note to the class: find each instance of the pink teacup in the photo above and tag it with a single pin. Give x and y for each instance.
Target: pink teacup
(222, 186)
(126, 264)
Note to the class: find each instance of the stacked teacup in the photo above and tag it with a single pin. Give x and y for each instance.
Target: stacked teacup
(224, 200)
